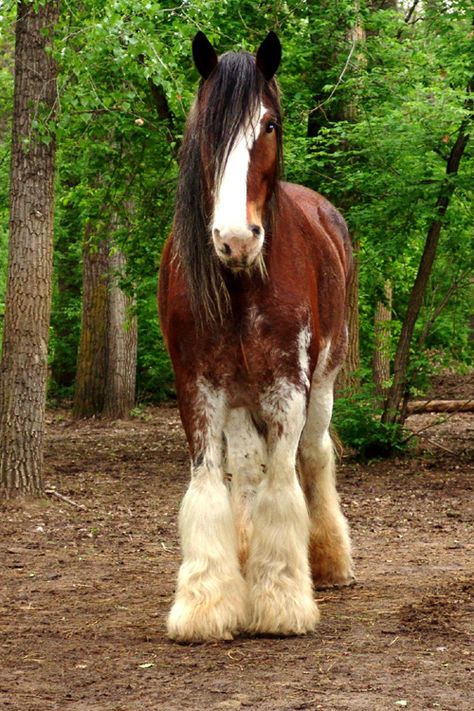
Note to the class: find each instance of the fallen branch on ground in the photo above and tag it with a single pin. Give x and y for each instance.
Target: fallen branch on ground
(417, 406)
(53, 492)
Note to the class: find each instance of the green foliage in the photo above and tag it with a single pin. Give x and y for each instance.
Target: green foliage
(155, 375)
(117, 166)
(385, 164)
(370, 123)
(357, 423)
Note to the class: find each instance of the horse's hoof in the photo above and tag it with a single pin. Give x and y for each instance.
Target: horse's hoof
(189, 622)
(346, 582)
(277, 614)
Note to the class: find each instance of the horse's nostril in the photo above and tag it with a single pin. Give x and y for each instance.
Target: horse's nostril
(255, 230)
(225, 249)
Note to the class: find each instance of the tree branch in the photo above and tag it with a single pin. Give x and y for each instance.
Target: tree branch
(161, 104)
(452, 289)
(392, 411)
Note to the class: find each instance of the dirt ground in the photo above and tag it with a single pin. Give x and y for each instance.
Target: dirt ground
(84, 592)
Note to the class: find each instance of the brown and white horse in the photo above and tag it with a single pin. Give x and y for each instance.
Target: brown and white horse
(252, 292)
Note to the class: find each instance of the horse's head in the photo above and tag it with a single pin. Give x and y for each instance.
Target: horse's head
(238, 121)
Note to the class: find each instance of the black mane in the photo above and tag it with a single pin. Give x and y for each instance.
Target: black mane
(226, 102)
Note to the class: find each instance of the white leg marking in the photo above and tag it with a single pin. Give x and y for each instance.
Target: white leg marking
(211, 598)
(304, 339)
(246, 461)
(330, 546)
(280, 588)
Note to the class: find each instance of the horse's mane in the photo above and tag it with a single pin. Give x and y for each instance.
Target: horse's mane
(226, 102)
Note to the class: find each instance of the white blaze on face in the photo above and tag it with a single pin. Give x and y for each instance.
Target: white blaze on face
(230, 206)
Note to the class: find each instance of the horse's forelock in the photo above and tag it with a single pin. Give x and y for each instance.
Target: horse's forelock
(228, 103)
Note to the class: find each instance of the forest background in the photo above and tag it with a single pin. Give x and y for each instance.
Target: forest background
(377, 100)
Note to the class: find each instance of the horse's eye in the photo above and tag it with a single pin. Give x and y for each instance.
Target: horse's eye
(271, 126)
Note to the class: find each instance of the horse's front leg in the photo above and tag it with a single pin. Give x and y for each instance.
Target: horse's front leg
(280, 587)
(210, 601)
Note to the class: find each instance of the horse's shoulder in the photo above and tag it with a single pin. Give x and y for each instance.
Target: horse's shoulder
(316, 206)
(300, 192)
(326, 219)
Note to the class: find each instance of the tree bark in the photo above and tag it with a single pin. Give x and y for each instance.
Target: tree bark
(392, 408)
(122, 339)
(416, 406)
(92, 356)
(23, 370)
(107, 357)
(348, 380)
(381, 355)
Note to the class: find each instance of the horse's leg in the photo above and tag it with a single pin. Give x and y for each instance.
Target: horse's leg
(210, 600)
(246, 457)
(330, 546)
(280, 587)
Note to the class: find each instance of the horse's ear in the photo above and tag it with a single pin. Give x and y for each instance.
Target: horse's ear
(204, 55)
(269, 55)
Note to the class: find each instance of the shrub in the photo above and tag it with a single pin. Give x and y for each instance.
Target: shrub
(358, 425)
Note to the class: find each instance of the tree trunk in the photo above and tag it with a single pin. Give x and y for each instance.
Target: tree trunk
(107, 357)
(381, 356)
(122, 338)
(392, 409)
(92, 357)
(348, 381)
(23, 370)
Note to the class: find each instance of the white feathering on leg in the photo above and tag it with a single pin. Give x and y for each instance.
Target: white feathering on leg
(246, 459)
(280, 587)
(210, 599)
(330, 545)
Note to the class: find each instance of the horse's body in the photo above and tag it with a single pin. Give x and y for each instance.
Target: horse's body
(255, 355)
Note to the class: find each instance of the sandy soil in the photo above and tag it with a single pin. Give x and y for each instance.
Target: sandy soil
(85, 591)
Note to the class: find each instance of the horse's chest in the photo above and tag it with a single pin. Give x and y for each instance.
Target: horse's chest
(248, 360)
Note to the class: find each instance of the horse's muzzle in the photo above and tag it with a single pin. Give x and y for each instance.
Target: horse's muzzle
(238, 250)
